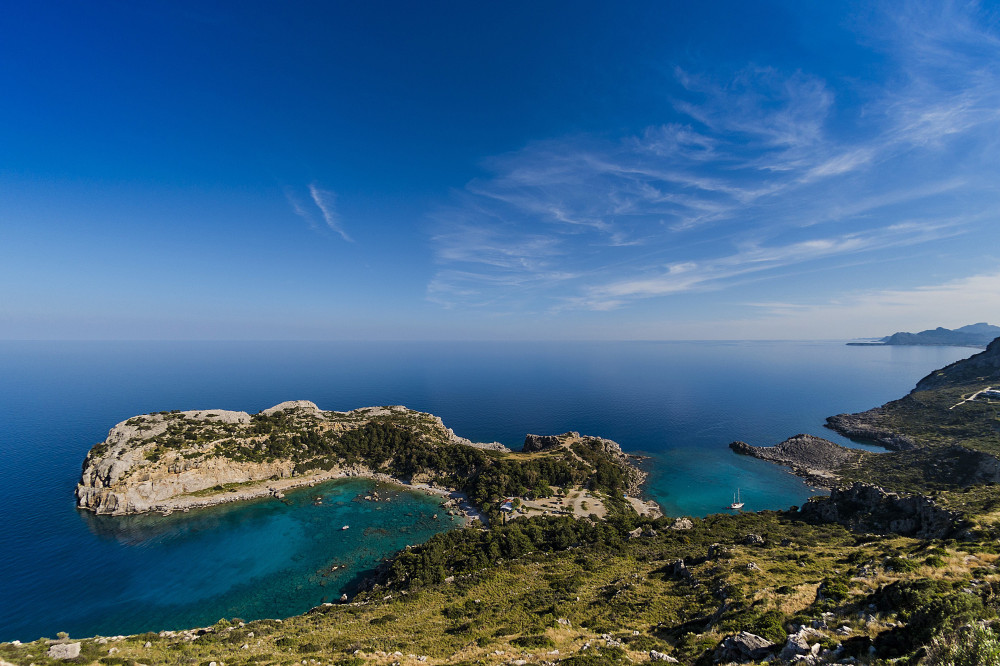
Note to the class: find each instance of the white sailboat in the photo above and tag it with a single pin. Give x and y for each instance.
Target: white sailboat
(737, 503)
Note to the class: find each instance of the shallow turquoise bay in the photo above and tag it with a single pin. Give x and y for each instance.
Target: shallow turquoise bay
(679, 403)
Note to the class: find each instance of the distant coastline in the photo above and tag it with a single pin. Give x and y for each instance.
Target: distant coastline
(977, 336)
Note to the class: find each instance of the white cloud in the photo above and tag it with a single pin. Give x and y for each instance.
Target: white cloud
(753, 258)
(324, 201)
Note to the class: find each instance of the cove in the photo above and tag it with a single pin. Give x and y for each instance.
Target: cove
(264, 558)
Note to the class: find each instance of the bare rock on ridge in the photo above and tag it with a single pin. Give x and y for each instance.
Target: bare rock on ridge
(815, 458)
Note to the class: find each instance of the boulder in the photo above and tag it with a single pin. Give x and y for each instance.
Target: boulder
(742, 647)
(661, 656)
(797, 645)
(64, 651)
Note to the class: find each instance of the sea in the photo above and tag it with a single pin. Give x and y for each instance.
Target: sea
(679, 404)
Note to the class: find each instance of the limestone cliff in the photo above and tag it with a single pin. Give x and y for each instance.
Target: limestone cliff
(150, 462)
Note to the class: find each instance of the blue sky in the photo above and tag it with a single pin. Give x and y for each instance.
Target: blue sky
(516, 170)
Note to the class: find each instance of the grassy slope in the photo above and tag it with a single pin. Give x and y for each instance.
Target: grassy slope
(542, 601)
(944, 425)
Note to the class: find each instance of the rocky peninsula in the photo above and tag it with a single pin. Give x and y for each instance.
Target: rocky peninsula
(943, 434)
(179, 460)
(816, 459)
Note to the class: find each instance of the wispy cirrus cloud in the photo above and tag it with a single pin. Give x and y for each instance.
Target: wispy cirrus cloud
(755, 172)
(753, 259)
(324, 215)
(952, 303)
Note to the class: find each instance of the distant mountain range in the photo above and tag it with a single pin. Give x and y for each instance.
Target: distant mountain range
(973, 335)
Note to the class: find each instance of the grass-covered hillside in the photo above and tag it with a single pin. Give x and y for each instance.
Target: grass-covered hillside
(558, 590)
(943, 425)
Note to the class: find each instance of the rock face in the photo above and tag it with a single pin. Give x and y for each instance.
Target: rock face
(815, 458)
(868, 508)
(533, 443)
(109, 482)
(148, 461)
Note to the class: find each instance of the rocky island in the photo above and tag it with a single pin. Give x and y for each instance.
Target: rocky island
(179, 460)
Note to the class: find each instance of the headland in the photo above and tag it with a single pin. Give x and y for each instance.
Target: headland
(181, 460)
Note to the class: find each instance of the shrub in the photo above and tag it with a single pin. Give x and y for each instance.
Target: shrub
(538, 641)
(970, 646)
(834, 588)
(901, 565)
(944, 614)
(769, 624)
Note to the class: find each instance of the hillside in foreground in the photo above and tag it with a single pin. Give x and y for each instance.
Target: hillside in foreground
(865, 576)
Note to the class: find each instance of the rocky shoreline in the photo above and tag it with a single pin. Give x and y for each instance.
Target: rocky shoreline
(865, 426)
(816, 459)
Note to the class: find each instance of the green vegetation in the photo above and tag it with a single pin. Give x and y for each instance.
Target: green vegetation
(540, 585)
(950, 429)
(976, 645)
(400, 443)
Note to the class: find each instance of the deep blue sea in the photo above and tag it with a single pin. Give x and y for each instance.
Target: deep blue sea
(680, 403)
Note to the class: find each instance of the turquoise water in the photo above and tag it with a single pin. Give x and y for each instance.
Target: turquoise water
(680, 403)
(232, 560)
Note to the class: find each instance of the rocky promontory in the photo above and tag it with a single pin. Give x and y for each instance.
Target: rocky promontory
(867, 426)
(168, 461)
(817, 459)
